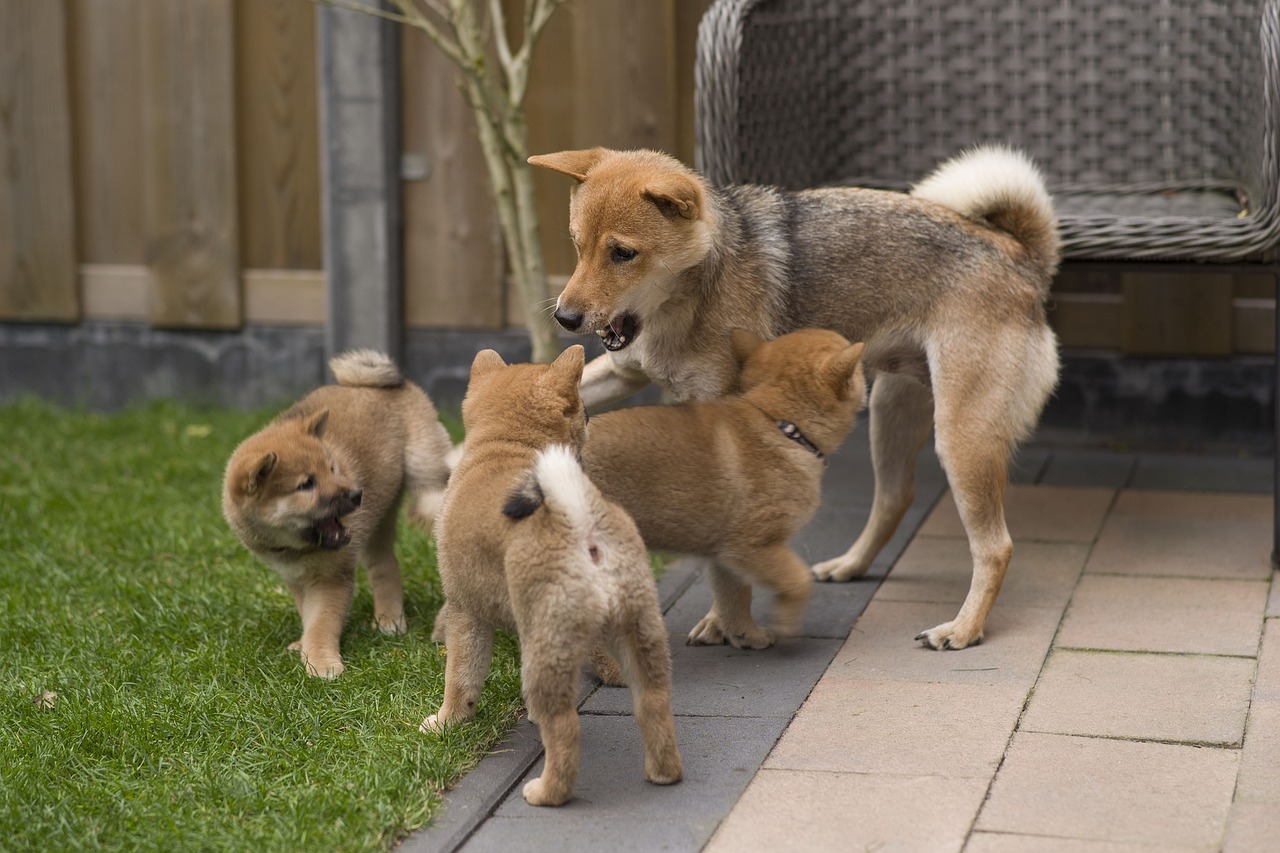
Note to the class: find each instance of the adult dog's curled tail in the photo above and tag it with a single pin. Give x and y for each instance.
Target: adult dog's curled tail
(558, 482)
(1003, 187)
(365, 368)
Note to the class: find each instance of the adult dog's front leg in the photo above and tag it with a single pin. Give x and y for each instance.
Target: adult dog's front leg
(605, 381)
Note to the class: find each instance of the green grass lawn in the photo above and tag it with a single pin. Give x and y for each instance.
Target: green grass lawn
(180, 721)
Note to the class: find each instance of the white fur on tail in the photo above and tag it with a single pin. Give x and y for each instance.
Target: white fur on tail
(1000, 185)
(365, 368)
(565, 486)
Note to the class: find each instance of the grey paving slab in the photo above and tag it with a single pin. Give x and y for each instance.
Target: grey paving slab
(1183, 472)
(615, 809)
(1089, 468)
(721, 681)
(1028, 464)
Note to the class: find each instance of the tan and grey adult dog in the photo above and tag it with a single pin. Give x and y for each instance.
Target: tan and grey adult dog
(734, 478)
(946, 286)
(320, 487)
(527, 543)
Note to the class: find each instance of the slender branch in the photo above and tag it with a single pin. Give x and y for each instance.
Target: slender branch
(353, 6)
(499, 22)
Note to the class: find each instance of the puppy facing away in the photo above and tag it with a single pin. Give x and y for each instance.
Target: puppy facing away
(320, 487)
(946, 286)
(527, 543)
(736, 477)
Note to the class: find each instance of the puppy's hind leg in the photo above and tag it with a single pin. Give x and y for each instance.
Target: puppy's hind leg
(901, 420)
(426, 467)
(646, 660)
(549, 677)
(470, 645)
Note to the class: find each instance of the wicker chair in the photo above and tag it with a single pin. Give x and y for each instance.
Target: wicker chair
(1156, 122)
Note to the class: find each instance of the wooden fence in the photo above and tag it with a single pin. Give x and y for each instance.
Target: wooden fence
(160, 164)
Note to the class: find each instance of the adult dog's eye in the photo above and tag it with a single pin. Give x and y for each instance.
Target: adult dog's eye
(621, 254)
(307, 484)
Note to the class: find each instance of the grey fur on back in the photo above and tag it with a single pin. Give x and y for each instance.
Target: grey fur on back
(365, 368)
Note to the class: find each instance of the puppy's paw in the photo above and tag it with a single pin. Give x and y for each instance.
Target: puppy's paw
(324, 667)
(666, 771)
(391, 624)
(431, 725)
(295, 646)
(710, 632)
(707, 632)
(539, 793)
(838, 570)
(754, 637)
(950, 636)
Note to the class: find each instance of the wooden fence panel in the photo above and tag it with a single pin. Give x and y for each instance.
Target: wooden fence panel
(37, 222)
(453, 249)
(192, 235)
(277, 134)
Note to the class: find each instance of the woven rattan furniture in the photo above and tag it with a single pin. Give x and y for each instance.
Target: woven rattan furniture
(1155, 122)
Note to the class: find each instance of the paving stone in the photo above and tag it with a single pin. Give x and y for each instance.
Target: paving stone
(722, 681)
(1259, 780)
(1273, 600)
(1166, 795)
(1266, 684)
(897, 727)
(1208, 473)
(1189, 699)
(881, 646)
(1186, 534)
(1034, 513)
(615, 809)
(1222, 617)
(939, 569)
(992, 842)
(1089, 468)
(800, 810)
(1028, 464)
(1252, 827)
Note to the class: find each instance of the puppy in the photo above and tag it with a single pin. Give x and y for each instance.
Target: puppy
(735, 478)
(320, 488)
(527, 543)
(946, 286)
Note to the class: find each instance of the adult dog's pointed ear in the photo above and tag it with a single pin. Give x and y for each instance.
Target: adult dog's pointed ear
(841, 369)
(676, 195)
(744, 342)
(487, 361)
(575, 164)
(257, 473)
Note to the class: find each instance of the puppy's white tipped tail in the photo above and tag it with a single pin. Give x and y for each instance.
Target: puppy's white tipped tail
(365, 368)
(558, 483)
(1003, 187)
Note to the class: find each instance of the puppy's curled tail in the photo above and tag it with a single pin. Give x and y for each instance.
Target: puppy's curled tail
(557, 482)
(365, 368)
(1003, 187)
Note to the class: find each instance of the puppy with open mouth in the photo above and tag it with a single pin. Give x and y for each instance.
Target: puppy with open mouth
(320, 487)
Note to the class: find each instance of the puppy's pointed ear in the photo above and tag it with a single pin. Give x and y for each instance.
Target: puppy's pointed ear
(567, 368)
(487, 361)
(315, 424)
(676, 195)
(258, 473)
(575, 164)
(841, 367)
(744, 342)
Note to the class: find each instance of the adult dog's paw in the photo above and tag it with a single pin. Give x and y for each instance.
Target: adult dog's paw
(839, 570)
(950, 636)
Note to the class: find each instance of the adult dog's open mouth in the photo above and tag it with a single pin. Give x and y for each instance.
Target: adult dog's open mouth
(620, 332)
(330, 534)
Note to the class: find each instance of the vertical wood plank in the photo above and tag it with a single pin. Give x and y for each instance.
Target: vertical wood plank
(550, 109)
(453, 248)
(1183, 314)
(106, 91)
(37, 223)
(277, 133)
(192, 237)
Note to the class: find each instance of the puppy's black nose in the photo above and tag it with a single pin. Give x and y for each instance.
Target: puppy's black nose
(356, 495)
(571, 320)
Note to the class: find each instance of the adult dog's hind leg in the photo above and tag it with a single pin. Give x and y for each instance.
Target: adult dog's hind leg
(901, 420)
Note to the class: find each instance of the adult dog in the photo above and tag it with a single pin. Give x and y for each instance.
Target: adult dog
(945, 285)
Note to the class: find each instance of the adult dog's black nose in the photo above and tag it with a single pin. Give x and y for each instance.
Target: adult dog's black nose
(571, 320)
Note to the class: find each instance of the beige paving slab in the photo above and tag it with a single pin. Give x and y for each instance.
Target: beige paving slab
(882, 647)
(1266, 684)
(1111, 790)
(1273, 600)
(1189, 699)
(993, 842)
(804, 810)
(1186, 534)
(1222, 617)
(849, 726)
(1043, 513)
(1252, 827)
(933, 568)
(1259, 780)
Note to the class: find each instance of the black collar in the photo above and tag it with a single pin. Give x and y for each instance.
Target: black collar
(793, 432)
